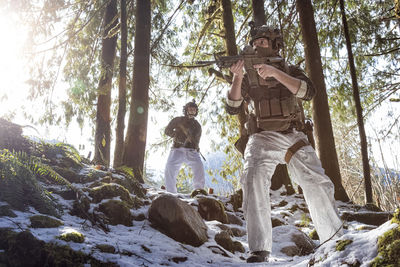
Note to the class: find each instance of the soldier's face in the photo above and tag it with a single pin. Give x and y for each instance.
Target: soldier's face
(191, 111)
(261, 42)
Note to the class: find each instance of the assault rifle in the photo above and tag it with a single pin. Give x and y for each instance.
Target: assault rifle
(250, 58)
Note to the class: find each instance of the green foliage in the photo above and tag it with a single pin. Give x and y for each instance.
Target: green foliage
(18, 183)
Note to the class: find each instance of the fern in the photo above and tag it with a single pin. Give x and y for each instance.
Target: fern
(18, 181)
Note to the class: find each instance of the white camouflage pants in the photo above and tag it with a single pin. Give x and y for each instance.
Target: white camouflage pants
(176, 157)
(263, 152)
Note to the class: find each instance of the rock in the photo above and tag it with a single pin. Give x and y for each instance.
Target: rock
(6, 211)
(11, 137)
(236, 200)
(238, 232)
(23, 249)
(68, 174)
(109, 191)
(198, 192)
(233, 219)
(41, 221)
(370, 218)
(277, 222)
(224, 240)
(296, 242)
(117, 212)
(178, 220)
(211, 209)
(106, 248)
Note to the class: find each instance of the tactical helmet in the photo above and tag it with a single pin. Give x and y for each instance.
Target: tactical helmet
(190, 104)
(264, 31)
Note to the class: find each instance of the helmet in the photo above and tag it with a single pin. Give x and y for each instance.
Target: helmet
(264, 31)
(190, 104)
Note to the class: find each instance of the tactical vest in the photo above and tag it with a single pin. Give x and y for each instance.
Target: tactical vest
(275, 108)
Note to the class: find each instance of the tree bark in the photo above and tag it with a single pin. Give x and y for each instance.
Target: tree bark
(325, 141)
(103, 127)
(356, 96)
(135, 143)
(258, 12)
(119, 131)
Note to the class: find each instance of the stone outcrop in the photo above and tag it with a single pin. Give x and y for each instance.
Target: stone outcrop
(211, 209)
(178, 220)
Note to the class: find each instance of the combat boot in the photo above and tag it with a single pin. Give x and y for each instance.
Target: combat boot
(258, 256)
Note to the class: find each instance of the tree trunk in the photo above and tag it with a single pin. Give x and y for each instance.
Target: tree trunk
(360, 121)
(281, 175)
(258, 12)
(325, 141)
(229, 25)
(119, 131)
(135, 143)
(103, 127)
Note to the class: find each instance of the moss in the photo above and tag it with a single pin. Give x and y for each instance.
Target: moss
(41, 221)
(109, 191)
(305, 221)
(23, 249)
(396, 217)
(389, 249)
(314, 235)
(73, 236)
(342, 244)
(366, 228)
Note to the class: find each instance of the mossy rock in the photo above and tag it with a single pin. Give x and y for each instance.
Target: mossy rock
(117, 212)
(5, 235)
(110, 191)
(41, 221)
(73, 236)
(342, 244)
(6, 211)
(389, 249)
(68, 174)
(81, 207)
(277, 222)
(396, 217)
(23, 249)
(313, 235)
(366, 228)
(105, 248)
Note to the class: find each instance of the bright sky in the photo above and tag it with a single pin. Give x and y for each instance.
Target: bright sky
(12, 71)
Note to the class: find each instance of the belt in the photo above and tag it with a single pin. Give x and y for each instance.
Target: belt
(294, 148)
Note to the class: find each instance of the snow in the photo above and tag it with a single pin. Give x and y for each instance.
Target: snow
(141, 245)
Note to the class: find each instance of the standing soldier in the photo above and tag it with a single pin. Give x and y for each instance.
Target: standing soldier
(270, 94)
(186, 131)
